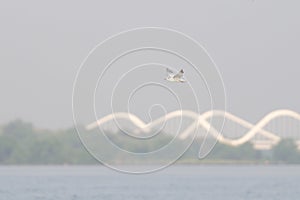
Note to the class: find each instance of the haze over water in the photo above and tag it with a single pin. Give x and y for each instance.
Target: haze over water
(254, 45)
(177, 182)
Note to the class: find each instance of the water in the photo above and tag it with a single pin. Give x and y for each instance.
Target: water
(176, 183)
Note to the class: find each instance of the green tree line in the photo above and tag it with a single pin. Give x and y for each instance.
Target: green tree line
(22, 143)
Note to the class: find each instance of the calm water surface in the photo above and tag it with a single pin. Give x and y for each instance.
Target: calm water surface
(176, 182)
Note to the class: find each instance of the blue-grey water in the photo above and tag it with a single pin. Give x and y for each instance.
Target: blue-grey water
(176, 183)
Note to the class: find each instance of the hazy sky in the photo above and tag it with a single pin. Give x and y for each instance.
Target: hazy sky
(255, 44)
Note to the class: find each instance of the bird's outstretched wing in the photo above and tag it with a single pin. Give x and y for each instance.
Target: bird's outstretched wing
(179, 74)
(169, 72)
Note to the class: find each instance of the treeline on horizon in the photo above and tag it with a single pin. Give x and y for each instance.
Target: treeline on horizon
(22, 143)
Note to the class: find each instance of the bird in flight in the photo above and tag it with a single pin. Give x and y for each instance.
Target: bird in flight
(172, 77)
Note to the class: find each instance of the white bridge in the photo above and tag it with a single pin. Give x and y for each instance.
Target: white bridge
(236, 131)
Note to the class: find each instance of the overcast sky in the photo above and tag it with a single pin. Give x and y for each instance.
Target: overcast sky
(255, 44)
